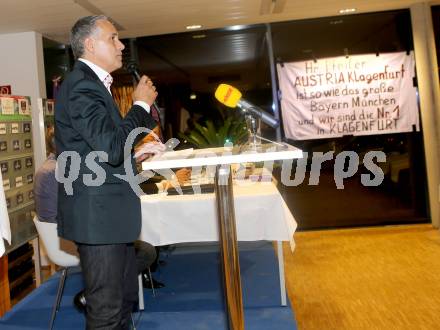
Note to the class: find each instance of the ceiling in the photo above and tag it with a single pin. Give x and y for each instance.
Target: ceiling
(239, 56)
(54, 18)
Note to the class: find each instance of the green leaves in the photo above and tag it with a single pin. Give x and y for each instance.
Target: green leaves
(232, 129)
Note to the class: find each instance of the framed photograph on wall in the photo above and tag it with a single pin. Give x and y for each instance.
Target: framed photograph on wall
(5, 167)
(6, 184)
(27, 144)
(7, 105)
(16, 145)
(23, 107)
(14, 128)
(18, 181)
(19, 199)
(28, 162)
(3, 146)
(17, 165)
(2, 128)
(26, 127)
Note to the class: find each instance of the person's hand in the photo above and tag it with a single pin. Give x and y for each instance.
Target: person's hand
(149, 149)
(183, 175)
(145, 91)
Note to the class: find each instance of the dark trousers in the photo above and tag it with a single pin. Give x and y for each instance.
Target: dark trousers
(111, 285)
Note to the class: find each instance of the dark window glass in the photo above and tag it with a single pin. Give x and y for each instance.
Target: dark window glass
(436, 24)
(194, 64)
(402, 196)
(188, 67)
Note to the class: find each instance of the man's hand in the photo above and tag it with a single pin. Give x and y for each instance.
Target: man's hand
(145, 91)
(149, 149)
(182, 175)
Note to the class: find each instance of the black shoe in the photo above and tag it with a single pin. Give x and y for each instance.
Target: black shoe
(157, 264)
(79, 301)
(147, 283)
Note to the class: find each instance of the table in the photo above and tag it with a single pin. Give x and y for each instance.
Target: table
(222, 158)
(261, 213)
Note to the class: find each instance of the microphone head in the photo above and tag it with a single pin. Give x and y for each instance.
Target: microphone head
(228, 95)
(130, 66)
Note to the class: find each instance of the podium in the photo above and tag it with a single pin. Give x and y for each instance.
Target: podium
(221, 159)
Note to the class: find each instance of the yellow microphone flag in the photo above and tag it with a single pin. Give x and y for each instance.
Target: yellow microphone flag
(228, 95)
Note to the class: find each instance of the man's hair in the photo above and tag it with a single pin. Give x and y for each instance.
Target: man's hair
(50, 140)
(82, 29)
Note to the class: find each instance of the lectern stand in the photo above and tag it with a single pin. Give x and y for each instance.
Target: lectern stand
(222, 158)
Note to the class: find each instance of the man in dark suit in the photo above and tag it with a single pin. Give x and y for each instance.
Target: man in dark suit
(102, 216)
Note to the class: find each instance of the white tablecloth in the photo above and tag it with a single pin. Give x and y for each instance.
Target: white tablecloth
(260, 213)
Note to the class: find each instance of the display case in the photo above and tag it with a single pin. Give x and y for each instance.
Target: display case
(17, 168)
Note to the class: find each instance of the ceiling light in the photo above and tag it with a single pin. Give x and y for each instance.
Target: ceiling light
(235, 27)
(347, 10)
(193, 27)
(193, 96)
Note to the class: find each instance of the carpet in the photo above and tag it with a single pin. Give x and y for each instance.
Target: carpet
(191, 300)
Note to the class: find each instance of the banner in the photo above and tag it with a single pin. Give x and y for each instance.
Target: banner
(358, 95)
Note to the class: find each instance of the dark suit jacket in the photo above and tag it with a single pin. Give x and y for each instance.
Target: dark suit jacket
(87, 119)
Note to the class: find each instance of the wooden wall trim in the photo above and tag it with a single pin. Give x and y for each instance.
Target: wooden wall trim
(5, 300)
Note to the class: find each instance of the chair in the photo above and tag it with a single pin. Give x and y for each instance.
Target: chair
(48, 234)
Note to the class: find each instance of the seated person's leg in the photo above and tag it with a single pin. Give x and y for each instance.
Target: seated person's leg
(145, 256)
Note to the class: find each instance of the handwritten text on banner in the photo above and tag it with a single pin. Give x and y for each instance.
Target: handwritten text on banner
(358, 95)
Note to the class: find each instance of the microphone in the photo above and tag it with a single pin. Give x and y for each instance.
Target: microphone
(131, 68)
(231, 97)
